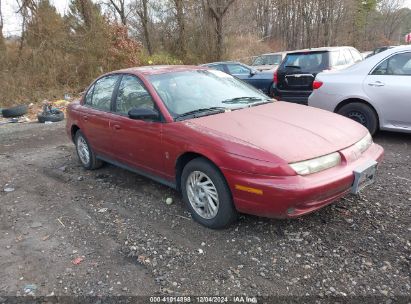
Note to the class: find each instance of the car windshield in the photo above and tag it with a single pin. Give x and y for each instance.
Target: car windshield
(310, 61)
(204, 92)
(268, 60)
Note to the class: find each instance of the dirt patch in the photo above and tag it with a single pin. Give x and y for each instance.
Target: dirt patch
(68, 231)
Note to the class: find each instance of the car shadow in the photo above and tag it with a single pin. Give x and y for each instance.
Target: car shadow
(387, 137)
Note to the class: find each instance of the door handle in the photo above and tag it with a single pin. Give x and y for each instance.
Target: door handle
(85, 117)
(376, 84)
(116, 127)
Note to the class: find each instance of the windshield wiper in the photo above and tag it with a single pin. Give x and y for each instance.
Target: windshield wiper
(201, 112)
(293, 66)
(260, 103)
(242, 100)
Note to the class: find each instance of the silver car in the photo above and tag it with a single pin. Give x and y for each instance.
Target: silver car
(375, 92)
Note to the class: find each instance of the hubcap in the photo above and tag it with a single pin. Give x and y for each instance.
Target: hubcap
(358, 117)
(202, 194)
(83, 151)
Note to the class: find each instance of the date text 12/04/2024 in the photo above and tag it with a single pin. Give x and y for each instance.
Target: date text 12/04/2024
(204, 299)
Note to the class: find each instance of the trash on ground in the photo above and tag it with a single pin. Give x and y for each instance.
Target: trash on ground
(15, 111)
(29, 289)
(36, 225)
(102, 210)
(169, 201)
(77, 261)
(8, 189)
(50, 113)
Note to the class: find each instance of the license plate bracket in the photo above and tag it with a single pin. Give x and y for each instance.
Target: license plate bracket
(364, 176)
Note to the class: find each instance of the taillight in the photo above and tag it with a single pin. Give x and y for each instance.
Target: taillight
(275, 80)
(317, 84)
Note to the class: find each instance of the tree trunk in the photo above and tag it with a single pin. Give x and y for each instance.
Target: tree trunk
(181, 28)
(121, 10)
(144, 21)
(218, 12)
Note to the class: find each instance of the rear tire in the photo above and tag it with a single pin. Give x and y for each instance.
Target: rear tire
(85, 154)
(201, 182)
(362, 114)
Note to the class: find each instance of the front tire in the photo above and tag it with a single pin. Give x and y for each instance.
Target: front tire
(362, 114)
(85, 154)
(207, 195)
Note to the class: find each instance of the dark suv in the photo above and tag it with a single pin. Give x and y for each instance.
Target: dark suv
(294, 78)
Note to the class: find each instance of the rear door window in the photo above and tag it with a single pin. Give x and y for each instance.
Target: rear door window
(103, 92)
(337, 58)
(218, 67)
(348, 57)
(399, 64)
(237, 69)
(356, 55)
(89, 95)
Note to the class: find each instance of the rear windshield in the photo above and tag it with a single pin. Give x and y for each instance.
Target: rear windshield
(268, 60)
(310, 61)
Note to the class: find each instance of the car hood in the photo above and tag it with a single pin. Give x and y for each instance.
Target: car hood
(289, 131)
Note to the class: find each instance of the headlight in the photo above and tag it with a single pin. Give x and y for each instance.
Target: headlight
(364, 144)
(317, 164)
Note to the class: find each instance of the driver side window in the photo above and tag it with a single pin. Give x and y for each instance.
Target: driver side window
(132, 94)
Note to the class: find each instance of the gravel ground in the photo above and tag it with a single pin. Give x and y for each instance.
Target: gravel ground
(67, 231)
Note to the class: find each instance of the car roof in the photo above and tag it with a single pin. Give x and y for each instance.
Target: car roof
(321, 49)
(159, 69)
(276, 53)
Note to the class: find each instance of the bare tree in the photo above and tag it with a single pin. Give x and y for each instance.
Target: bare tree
(141, 9)
(120, 8)
(181, 41)
(218, 9)
(1, 25)
(26, 9)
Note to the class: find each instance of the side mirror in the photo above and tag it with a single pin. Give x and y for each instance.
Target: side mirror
(143, 114)
(253, 72)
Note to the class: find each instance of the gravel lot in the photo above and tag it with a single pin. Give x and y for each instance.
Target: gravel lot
(67, 231)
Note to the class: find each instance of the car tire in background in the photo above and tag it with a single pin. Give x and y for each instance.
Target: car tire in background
(54, 116)
(14, 111)
(362, 114)
(200, 182)
(85, 153)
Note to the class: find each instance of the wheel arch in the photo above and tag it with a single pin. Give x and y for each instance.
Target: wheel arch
(73, 130)
(184, 159)
(359, 100)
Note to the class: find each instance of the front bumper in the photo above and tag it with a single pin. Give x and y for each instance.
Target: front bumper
(293, 196)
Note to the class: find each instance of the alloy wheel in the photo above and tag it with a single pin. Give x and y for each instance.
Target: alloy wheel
(202, 194)
(83, 150)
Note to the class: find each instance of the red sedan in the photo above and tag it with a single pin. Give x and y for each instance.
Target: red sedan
(225, 145)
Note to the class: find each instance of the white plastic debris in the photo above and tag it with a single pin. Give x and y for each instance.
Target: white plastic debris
(169, 201)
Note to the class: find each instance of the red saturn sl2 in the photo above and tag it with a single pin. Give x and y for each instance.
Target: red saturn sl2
(226, 146)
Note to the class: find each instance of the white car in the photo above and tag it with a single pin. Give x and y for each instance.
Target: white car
(375, 92)
(269, 61)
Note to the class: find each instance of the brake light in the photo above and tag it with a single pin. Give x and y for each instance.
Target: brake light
(317, 84)
(275, 80)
